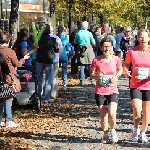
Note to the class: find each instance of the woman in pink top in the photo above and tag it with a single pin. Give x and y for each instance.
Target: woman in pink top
(139, 84)
(106, 69)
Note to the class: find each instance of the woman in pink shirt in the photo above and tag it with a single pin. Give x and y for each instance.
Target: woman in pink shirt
(139, 84)
(106, 69)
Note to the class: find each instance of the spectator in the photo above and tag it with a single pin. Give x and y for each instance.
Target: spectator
(93, 31)
(66, 47)
(84, 39)
(118, 38)
(12, 62)
(24, 47)
(127, 42)
(74, 65)
(45, 59)
(111, 36)
(54, 90)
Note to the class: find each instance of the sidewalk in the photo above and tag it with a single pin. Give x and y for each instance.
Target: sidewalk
(71, 123)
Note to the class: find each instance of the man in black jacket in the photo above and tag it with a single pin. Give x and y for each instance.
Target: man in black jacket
(45, 57)
(74, 65)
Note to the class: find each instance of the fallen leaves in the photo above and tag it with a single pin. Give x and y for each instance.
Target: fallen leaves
(56, 122)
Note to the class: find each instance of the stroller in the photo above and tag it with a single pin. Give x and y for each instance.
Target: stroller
(28, 94)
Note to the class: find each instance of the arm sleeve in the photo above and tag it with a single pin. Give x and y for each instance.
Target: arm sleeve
(15, 61)
(93, 65)
(121, 44)
(68, 46)
(119, 63)
(128, 56)
(76, 38)
(92, 40)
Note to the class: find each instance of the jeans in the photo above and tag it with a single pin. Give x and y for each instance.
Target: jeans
(35, 66)
(85, 72)
(82, 73)
(48, 79)
(64, 65)
(6, 104)
(95, 52)
(95, 49)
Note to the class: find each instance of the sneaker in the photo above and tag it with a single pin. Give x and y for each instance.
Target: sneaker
(105, 139)
(12, 124)
(143, 138)
(135, 135)
(2, 124)
(48, 101)
(114, 137)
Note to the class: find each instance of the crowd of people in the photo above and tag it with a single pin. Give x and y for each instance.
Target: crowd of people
(102, 54)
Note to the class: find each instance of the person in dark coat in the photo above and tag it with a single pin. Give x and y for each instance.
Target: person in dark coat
(45, 58)
(74, 65)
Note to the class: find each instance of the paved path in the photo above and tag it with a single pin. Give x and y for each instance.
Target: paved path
(82, 128)
(72, 123)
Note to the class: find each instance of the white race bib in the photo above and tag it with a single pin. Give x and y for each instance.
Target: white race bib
(105, 79)
(142, 73)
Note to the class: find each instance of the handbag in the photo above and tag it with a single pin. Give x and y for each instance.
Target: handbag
(9, 89)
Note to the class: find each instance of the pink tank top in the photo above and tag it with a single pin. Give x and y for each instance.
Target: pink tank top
(140, 68)
(110, 68)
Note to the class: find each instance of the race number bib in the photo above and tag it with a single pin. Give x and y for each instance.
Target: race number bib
(142, 73)
(105, 80)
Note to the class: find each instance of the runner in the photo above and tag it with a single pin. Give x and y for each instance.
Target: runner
(139, 84)
(106, 69)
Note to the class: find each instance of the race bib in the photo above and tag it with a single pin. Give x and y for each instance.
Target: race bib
(142, 73)
(105, 80)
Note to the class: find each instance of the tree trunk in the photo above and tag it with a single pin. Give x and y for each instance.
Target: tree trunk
(13, 20)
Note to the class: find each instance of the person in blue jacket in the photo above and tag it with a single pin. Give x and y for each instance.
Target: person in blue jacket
(63, 60)
(25, 48)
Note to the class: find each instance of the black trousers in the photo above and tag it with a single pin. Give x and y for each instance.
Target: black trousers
(74, 65)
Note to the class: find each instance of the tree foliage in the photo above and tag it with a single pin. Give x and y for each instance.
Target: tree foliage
(122, 12)
(125, 12)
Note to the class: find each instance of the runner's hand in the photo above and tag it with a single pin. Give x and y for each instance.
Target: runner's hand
(114, 79)
(127, 74)
(100, 75)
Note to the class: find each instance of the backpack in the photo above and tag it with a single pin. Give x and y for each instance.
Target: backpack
(46, 50)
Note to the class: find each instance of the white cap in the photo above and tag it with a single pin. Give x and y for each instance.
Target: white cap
(128, 29)
(85, 25)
